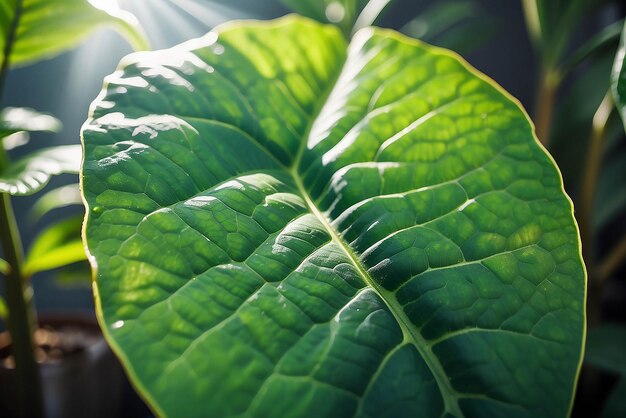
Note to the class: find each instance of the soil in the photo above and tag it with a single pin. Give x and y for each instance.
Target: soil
(54, 341)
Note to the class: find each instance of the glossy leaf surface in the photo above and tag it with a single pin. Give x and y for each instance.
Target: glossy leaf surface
(29, 174)
(284, 225)
(48, 27)
(618, 78)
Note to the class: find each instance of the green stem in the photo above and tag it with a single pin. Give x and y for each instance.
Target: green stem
(533, 23)
(19, 294)
(544, 106)
(8, 46)
(21, 321)
(585, 205)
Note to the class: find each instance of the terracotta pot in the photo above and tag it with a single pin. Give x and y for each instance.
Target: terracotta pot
(88, 383)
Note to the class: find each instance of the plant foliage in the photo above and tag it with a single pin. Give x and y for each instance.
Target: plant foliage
(286, 225)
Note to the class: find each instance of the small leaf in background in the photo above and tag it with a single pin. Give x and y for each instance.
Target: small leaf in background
(74, 275)
(604, 40)
(58, 245)
(54, 199)
(458, 25)
(615, 406)
(16, 119)
(15, 140)
(610, 200)
(49, 27)
(606, 348)
(32, 172)
(5, 267)
(4, 309)
(349, 15)
(618, 77)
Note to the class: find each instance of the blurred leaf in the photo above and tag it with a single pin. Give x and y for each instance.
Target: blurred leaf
(606, 348)
(558, 19)
(54, 199)
(58, 245)
(4, 309)
(372, 10)
(572, 121)
(343, 13)
(5, 267)
(49, 27)
(439, 17)
(468, 36)
(32, 172)
(457, 25)
(16, 119)
(615, 406)
(611, 194)
(15, 140)
(618, 78)
(607, 38)
(78, 274)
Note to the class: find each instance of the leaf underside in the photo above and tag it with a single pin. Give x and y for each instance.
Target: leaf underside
(287, 226)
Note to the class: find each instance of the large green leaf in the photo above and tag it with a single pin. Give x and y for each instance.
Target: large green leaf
(31, 173)
(48, 27)
(618, 77)
(286, 226)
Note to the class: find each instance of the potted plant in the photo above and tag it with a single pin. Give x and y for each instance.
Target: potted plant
(61, 353)
(295, 219)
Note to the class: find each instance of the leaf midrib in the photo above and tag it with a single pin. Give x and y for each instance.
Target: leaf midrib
(409, 331)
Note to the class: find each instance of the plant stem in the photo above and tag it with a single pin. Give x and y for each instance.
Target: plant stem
(533, 23)
(22, 316)
(544, 107)
(8, 46)
(19, 294)
(587, 198)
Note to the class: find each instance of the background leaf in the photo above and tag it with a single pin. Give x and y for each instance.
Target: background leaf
(15, 119)
(343, 13)
(49, 27)
(618, 78)
(283, 225)
(54, 199)
(615, 406)
(458, 25)
(4, 266)
(58, 245)
(4, 309)
(29, 174)
(605, 348)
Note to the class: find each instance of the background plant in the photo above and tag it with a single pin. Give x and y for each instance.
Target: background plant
(32, 30)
